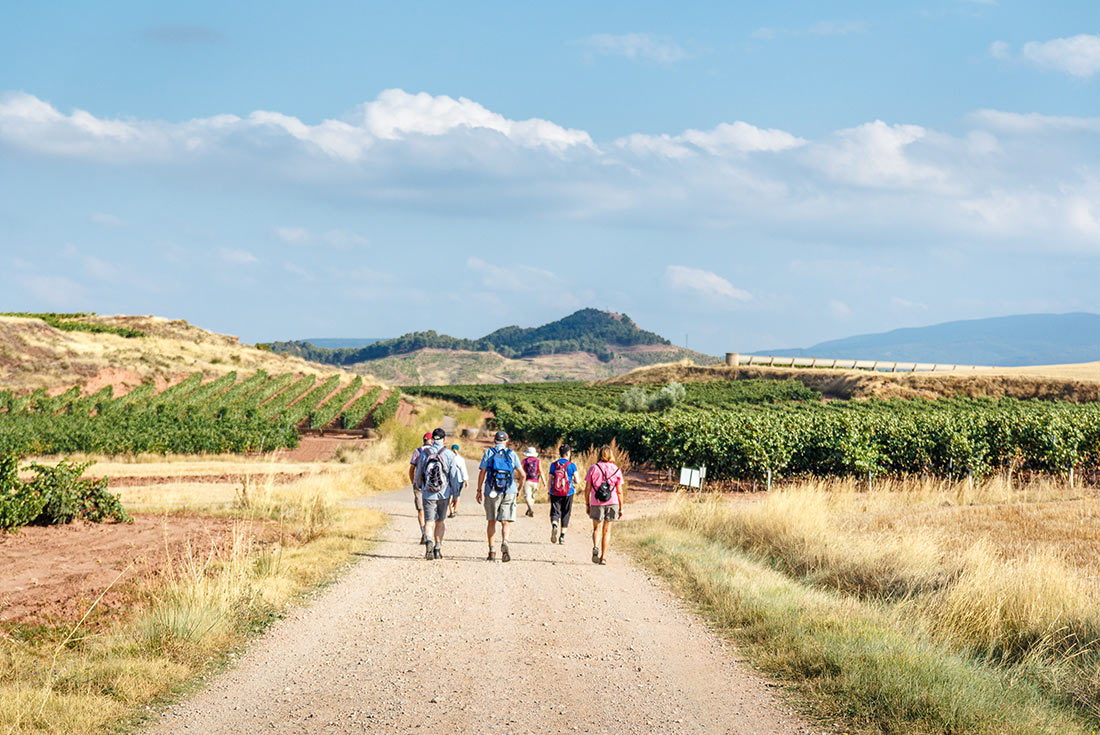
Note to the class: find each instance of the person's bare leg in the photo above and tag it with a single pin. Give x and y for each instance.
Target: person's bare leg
(505, 530)
(595, 534)
(440, 529)
(491, 532)
(420, 517)
(606, 540)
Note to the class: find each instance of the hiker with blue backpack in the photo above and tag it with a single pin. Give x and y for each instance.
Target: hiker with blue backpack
(562, 488)
(496, 484)
(440, 479)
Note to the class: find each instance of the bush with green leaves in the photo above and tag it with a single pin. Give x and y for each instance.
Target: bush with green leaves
(57, 495)
(636, 400)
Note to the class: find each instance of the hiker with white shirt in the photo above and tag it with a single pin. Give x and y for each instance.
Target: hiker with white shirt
(439, 478)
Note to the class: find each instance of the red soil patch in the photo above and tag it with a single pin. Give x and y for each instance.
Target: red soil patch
(124, 381)
(404, 412)
(320, 448)
(53, 574)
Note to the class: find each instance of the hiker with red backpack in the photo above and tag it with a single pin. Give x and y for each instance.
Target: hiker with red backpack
(532, 478)
(604, 501)
(496, 484)
(439, 478)
(562, 489)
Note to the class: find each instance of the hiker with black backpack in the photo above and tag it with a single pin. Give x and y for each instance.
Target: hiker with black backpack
(439, 478)
(604, 501)
(562, 489)
(496, 484)
(418, 500)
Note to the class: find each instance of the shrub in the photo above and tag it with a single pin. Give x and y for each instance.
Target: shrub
(56, 496)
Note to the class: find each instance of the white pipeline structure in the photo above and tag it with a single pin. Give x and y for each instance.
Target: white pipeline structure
(889, 366)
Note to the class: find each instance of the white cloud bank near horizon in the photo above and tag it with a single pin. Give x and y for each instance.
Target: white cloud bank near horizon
(1008, 178)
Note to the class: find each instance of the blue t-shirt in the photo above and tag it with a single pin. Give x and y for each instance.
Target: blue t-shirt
(485, 459)
(570, 470)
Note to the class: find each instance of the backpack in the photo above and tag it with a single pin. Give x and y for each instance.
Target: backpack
(500, 470)
(559, 478)
(531, 468)
(435, 473)
(603, 490)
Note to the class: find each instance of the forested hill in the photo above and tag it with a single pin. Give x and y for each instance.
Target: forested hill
(588, 330)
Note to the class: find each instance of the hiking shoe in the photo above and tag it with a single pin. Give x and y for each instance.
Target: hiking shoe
(504, 555)
(451, 514)
(595, 555)
(530, 513)
(554, 531)
(437, 552)
(430, 550)
(601, 561)
(423, 539)
(492, 556)
(561, 537)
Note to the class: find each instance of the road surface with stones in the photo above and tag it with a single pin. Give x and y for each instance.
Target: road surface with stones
(547, 643)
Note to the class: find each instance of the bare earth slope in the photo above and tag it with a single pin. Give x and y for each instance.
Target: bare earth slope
(404, 645)
(36, 355)
(445, 367)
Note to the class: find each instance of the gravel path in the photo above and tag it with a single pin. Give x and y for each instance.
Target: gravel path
(547, 643)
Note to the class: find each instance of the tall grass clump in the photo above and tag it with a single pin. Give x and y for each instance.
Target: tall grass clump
(1030, 616)
(850, 661)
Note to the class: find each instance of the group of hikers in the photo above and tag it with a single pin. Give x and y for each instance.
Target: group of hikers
(438, 475)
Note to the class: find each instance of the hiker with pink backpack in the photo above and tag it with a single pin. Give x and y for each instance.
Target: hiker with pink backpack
(532, 478)
(562, 489)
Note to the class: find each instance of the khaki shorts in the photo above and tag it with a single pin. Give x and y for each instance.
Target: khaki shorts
(500, 508)
(529, 490)
(604, 512)
(418, 500)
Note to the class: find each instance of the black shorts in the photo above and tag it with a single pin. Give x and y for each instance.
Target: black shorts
(561, 507)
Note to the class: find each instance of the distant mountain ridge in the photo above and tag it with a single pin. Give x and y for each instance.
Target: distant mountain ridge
(1007, 341)
(588, 330)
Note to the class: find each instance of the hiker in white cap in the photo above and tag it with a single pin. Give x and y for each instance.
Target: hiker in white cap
(532, 479)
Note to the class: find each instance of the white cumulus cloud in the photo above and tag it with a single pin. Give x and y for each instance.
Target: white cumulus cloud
(1077, 55)
(704, 282)
(635, 46)
(237, 257)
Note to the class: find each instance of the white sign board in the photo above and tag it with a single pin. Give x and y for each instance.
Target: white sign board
(692, 476)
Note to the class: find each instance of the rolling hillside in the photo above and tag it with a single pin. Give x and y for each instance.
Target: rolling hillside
(586, 345)
(1009, 341)
(34, 354)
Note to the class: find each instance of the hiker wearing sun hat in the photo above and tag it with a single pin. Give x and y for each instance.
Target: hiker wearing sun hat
(496, 484)
(532, 480)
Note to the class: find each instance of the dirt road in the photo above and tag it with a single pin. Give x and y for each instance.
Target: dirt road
(547, 643)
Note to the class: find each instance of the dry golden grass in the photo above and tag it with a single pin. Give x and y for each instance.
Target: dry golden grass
(69, 681)
(1005, 575)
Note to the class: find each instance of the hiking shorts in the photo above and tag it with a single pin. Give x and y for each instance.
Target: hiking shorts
(604, 512)
(500, 508)
(561, 507)
(436, 510)
(529, 490)
(418, 500)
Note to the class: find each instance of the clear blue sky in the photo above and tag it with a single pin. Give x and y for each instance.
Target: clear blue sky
(752, 176)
